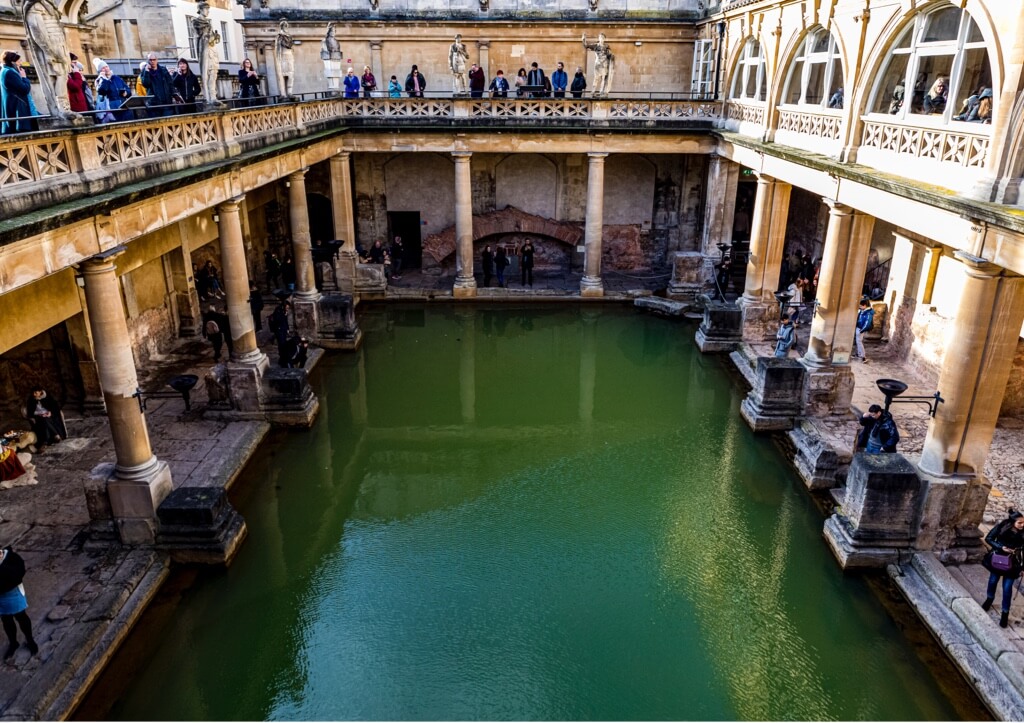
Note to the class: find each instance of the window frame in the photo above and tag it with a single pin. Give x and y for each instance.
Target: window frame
(740, 78)
(702, 75)
(806, 57)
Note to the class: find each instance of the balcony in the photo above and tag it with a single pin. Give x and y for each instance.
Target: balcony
(818, 130)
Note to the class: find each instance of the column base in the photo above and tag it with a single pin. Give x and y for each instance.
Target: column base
(464, 287)
(245, 393)
(133, 496)
(720, 329)
(345, 272)
(774, 400)
(951, 511)
(337, 318)
(244, 380)
(199, 526)
(591, 286)
(827, 390)
(760, 320)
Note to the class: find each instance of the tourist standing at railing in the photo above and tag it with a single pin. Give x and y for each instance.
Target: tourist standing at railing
(76, 92)
(394, 87)
(537, 78)
(559, 81)
(111, 92)
(140, 89)
(15, 97)
(579, 83)
(477, 81)
(351, 84)
(520, 82)
(499, 86)
(186, 87)
(248, 83)
(368, 82)
(415, 83)
(159, 84)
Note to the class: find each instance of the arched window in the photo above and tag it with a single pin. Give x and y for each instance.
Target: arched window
(749, 82)
(816, 73)
(938, 68)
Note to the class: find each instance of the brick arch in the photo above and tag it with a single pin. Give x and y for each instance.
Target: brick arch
(509, 220)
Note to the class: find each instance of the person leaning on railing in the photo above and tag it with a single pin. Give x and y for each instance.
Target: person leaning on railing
(159, 85)
(248, 82)
(16, 108)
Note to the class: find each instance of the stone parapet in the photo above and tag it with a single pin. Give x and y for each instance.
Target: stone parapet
(774, 400)
(199, 526)
(720, 329)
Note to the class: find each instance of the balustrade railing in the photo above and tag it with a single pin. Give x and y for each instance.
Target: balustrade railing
(959, 146)
(820, 123)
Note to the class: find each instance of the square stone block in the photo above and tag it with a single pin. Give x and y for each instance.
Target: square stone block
(774, 400)
(883, 497)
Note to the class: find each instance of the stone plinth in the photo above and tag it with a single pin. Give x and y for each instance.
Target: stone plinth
(288, 398)
(130, 504)
(878, 520)
(307, 316)
(827, 390)
(760, 320)
(688, 276)
(370, 282)
(199, 525)
(720, 329)
(815, 461)
(338, 327)
(950, 512)
(775, 398)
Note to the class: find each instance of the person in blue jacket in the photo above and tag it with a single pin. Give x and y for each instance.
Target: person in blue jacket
(865, 323)
(15, 97)
(352, 84)
(559, 81)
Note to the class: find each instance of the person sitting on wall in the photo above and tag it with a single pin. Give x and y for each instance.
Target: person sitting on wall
(884, 436)
(44, 412)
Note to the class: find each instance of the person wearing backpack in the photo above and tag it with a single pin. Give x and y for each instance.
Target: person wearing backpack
(865, 323)
(884, 436)
(1003, 561)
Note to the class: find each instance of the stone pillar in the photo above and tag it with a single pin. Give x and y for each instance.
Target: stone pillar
(344, 221)
(840, 282)
(767, 239)
(719, 205)
(377, 68)
(236, 284)
(306, 295)
(270, 60)
(138, 482)
(465, 284)
(975, 370)
(591, 284)
(190, 315)
(903, 290)
(484, 51)
(82, 346)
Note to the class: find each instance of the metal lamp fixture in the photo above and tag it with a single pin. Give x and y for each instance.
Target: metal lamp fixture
(182, 386)
(892, 388)
(783, 298)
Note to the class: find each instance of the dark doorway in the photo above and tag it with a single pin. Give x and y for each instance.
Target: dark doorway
(321, 218)
(407, 225)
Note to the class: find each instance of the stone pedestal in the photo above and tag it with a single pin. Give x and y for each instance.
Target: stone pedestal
(759, 319)
(815, 462)
(245, 384)
(284, 395)
(307, 316)
(687, 276)
(134, 496)
(288, 398)
(370, 282)
(827, 390)
(199, 526)
(950, 514)
(338, 327)
(878, 519)
(720, 329)
(775, 398)
(345, 272)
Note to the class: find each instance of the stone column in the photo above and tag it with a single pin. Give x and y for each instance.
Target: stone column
(81, 344)
(236, 284)
(270, 60)
(304, 304)
(190, 315)
(719, 205)
(903, 290)
(344, 221)
(377, 68)
(975, 369)
(138, 482)
(465, 284)
(767, 239)
(591, 284)
(840, 283)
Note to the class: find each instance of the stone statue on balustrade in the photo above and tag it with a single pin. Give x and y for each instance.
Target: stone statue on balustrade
(50, 56)
(285, 60)
(457, 57)
(207, 40)
(330, 53)
(604, 64)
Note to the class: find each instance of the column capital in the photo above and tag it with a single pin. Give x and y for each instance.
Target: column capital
(101, 262)
(375, 44)
(462, 156)
(763, 177)
(341, 156)
(597, 156)
(977, 266)
(836, 208)
(483, 44)
(298, 175)
(231, 205)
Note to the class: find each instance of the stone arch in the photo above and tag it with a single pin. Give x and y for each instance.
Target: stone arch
(527, 181)
(789, 54)
(423, 182)
(629, 182)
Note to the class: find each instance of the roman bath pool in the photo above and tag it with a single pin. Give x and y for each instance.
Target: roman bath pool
(523, 513)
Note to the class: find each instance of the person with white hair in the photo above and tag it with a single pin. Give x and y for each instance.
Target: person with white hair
(351, 84)
(111, 93)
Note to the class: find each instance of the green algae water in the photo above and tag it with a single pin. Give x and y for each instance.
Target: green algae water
(527, 513)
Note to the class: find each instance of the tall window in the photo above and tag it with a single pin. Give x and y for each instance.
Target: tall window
(749, 82)
(193, 41)
(225, 40)
(702, 81)
(938, 67)
(816, 73)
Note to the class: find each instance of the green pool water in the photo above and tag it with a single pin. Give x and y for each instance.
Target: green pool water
(527, 513)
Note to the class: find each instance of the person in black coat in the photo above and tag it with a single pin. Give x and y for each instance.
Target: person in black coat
(248, 83)
(526, 264)
(279, 325)
(415, 83)
(256, 306)
(487, 261)
(43, 411)
(1006, 538)
(293, 352)
(16, 115)
(217, 328)
(500, 263)
(186, 86)
(157, 81)
(579, 84)
(13, 605)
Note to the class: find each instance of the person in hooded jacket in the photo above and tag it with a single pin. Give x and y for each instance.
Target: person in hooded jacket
(1006, 538)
